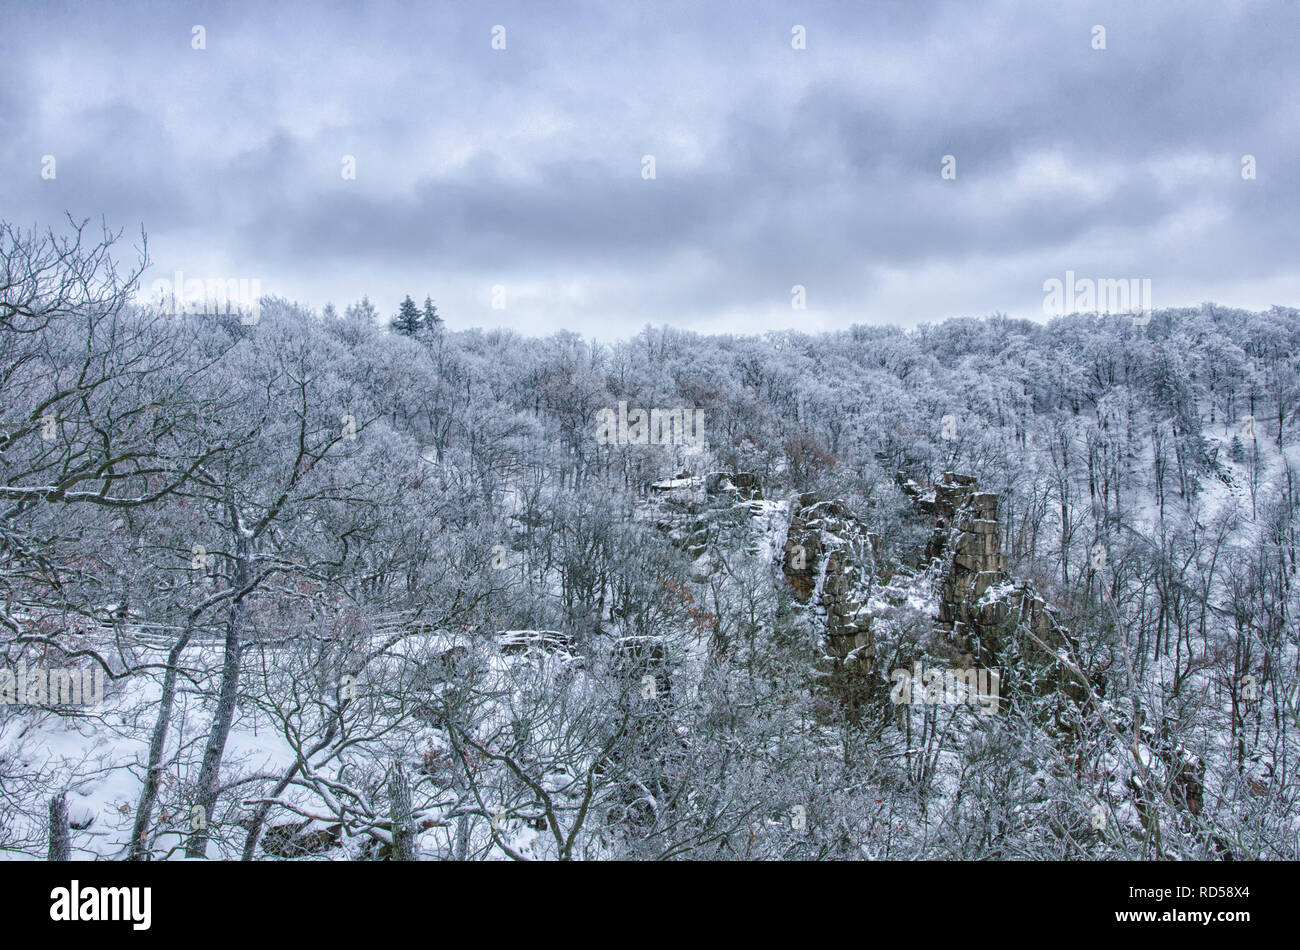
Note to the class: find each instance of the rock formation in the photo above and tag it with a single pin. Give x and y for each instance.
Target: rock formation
(694, 510)
(984, 610)
(828, 562)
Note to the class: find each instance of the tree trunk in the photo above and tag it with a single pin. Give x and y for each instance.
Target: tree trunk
(399, 805)
(60, 833)
(157, 745)
(209, 774)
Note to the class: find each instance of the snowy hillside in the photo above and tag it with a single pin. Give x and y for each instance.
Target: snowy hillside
(329, 591)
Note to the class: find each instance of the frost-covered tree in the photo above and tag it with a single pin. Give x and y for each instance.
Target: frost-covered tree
(409, 320)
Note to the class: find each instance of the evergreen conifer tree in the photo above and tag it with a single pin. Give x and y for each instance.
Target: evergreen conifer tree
(408, 319)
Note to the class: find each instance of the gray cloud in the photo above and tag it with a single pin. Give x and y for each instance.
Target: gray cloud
(775, 167)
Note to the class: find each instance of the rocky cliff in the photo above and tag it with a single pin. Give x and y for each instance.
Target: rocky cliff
(986, 612)
(831, 562)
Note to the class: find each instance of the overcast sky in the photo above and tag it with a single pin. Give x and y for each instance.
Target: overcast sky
(523, 167)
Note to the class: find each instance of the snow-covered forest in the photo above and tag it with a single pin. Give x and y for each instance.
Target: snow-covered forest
(364, 589)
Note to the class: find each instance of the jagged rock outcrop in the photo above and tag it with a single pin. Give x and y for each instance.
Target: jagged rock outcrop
(984, 610)
(695, 510)
(687, 489)
(294, 839)
(527, 641)
(742, 486)
(828, 561)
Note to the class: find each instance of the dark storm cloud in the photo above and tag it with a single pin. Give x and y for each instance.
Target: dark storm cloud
(775, 167)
